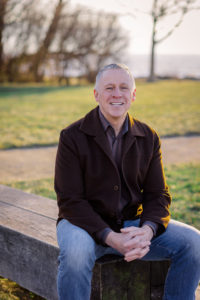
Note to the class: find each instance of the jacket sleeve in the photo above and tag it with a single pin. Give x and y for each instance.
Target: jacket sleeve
(69, 187)
(156, 197)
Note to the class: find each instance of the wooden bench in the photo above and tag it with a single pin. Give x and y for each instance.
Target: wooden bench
(29, 251)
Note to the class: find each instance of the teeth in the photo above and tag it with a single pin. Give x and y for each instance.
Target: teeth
(116, 103)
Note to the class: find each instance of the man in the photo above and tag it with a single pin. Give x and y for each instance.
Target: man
(113, 198)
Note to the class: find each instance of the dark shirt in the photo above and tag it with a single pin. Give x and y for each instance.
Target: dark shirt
(116, 145)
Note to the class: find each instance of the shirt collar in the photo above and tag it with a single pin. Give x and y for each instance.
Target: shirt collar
(106, 124)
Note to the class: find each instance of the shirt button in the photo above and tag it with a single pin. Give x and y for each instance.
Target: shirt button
(116, 188)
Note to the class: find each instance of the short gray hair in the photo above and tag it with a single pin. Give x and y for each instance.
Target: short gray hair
(115, 66)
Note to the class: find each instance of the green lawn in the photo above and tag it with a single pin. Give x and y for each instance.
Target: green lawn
(35, 115)
(183, 181)
(10, 290)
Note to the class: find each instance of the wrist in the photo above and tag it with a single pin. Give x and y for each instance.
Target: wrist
(110, 238)
(149, 231)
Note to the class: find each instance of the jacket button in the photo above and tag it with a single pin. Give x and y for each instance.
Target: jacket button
(116, 187)
(119, 222)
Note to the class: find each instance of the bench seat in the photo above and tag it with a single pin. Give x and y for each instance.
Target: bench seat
(29, 251)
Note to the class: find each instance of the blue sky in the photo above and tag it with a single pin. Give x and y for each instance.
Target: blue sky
(184, 40)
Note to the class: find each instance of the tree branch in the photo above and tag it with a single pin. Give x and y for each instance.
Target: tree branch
(170, 32)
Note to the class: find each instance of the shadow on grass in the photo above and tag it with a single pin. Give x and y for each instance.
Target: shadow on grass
(24, 90)
(11, 146)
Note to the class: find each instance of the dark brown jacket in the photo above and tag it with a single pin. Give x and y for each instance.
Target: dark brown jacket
(87, 181)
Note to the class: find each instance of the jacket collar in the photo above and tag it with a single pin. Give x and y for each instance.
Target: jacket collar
(91, 125)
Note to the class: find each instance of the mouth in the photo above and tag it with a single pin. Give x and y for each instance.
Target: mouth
(116, 103)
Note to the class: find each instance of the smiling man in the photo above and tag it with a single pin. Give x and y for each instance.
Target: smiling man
(114, 91)
(113, 198)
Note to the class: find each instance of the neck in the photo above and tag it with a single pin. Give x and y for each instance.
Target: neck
(117, 124)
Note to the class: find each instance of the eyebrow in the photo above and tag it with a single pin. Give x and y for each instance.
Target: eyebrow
(123, 83)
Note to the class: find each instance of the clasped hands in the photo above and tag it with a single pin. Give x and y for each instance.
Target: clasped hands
(132, 242)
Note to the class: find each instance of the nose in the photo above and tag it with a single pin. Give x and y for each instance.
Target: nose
(116, 93)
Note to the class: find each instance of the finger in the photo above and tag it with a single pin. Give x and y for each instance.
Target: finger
(136, 254)
(128, 229)
(139, 252)
(133, 230)
(136, 243)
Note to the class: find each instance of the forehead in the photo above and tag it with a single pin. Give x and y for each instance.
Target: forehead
(115, 76)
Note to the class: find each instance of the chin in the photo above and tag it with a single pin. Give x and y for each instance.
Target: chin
(116, 116)
(117, 113)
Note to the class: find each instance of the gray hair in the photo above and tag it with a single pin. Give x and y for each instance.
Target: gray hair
(115, 66)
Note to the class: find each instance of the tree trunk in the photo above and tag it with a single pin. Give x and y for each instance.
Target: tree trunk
(152, 77)
(2, 15)
(43, 50)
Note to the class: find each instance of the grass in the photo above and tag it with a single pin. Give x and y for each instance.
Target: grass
(183, 181)
(10, 290)
(35, 115)
(43, 187)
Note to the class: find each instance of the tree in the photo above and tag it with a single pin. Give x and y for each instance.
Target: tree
(85, 40)
(160, 10)
(46, 43)
(2, 25)
(108, 41)
(33, 42)
(23, 24)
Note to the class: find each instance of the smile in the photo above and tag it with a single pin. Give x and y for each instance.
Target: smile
(116, 103)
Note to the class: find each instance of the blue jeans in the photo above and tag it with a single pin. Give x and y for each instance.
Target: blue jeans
(78, 252)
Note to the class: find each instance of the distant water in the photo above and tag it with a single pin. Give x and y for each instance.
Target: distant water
(179, 66)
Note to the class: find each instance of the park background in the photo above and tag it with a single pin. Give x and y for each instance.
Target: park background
(49, 55)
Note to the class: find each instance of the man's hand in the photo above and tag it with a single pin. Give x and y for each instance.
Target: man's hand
(132, 242)
(118, 241)
(139, 242)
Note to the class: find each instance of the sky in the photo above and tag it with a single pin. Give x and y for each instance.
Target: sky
(185, 39)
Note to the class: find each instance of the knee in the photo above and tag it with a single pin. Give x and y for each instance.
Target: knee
(192, 245)
(195, 248)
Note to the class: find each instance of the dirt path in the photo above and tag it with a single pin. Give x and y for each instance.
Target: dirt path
(36, 163)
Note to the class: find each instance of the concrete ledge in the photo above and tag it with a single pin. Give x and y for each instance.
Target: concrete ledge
(28, 246)
(29, 262)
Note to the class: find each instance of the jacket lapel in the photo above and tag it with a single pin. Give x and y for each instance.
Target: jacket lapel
(92, 126)
(133, 132)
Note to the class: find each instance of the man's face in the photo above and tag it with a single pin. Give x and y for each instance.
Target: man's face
(114, 94)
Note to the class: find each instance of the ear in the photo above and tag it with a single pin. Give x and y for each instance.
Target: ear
(134, 95)
(96, 95)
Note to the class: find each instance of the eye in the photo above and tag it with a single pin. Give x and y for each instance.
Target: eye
(124, 88)
(109, 88)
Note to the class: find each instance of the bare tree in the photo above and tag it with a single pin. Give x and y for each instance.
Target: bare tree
(160, 10)
(64, 39)
(85, 40)
(23, 24)
(109, 41)
(48, 39)
(2, 26)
